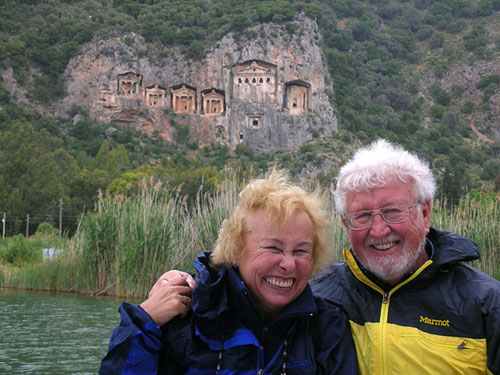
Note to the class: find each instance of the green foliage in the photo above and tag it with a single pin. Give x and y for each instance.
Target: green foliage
(436, 41)
(18, 252)
(475, 39)
(341, 40)
(23, 149)
(113, 160)
(195, 49)
(468, 107)
(46, 229)
(181, 134)
(451, 118)
(123, 247)
(365, 29)
(157, 223)
(477, 216)
(489, 91)
(437, 111)
(443, 98)
(487, 81)
(378, 57)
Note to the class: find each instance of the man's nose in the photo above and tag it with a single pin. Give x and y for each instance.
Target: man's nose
(380, 228)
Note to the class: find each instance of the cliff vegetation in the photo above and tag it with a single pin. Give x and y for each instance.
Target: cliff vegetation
(425, 74)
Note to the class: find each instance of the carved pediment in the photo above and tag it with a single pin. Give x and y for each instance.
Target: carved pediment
(183, 98)
(213, 101)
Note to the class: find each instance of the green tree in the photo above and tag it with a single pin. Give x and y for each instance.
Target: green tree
(50, 177)
(85, 187)
(128, 182)
(468, 107)
(454, 181)
(22, 147)
(113, 160)
(489, 91)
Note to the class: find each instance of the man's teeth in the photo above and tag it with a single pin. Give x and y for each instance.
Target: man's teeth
(281, 284)
(384, 246)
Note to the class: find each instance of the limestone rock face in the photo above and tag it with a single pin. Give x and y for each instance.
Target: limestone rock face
(267, 88)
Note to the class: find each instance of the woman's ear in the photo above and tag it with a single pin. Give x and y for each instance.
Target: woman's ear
(234, 260)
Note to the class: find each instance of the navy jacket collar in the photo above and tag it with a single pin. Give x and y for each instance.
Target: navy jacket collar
(218, 291)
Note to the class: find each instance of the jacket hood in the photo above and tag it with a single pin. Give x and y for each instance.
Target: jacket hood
(453, 248)
(209, 298)
(217, 291)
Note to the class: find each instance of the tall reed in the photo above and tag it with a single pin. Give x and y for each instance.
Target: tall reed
(476, 217)
(128, 242)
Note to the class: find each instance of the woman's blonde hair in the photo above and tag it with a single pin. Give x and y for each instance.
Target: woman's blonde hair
(281, 199)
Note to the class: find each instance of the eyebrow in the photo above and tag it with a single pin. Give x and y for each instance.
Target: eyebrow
(281, 242)
(272, 239)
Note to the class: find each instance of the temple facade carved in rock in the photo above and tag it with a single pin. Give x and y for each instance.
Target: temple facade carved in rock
(155, 96)
(254, 82)
(297, 97)
(270, 92)
(129, 84)
(213, 101)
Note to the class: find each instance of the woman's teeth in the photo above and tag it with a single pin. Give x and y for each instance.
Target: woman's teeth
(280, 284)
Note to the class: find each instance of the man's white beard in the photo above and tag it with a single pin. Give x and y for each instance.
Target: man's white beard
(390, 269)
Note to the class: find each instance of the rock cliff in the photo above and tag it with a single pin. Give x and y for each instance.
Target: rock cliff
(267, 88)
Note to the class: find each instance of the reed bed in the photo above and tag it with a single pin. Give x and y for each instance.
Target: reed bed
(128, 242)
(476, 217)
(125, 246)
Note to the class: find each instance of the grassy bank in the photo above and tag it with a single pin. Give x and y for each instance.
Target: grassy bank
(476, 217)
(127, 243)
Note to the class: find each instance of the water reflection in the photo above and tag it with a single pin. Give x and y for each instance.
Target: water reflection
(54, 333)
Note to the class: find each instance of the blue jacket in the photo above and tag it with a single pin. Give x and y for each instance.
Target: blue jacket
(223, 330)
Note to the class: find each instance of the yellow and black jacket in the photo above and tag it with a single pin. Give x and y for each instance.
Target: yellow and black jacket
(443, 318)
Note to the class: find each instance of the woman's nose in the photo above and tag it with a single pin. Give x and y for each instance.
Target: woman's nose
(287, 261)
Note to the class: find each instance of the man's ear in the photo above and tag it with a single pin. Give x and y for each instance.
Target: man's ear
(426, 214)
(346, 226)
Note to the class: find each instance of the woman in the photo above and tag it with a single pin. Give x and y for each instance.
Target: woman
(253, 311)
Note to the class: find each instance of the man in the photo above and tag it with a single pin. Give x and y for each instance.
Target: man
(413, 306)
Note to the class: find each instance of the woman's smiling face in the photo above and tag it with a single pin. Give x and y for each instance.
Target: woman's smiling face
(276, 264)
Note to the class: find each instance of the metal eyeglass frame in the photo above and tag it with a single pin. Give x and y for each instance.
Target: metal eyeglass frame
(404, 207)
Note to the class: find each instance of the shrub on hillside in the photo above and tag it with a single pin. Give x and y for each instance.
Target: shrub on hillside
(17, 251)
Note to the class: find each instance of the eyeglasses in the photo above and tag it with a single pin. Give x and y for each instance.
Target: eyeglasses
(362, 220)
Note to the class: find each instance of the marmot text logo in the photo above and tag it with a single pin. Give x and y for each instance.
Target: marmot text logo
(435, 322)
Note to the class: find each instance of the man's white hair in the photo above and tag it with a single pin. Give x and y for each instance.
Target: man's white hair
(379, 163)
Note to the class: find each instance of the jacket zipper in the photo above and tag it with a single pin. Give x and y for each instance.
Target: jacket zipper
(384, 314)
(384, 308)
(464, 345)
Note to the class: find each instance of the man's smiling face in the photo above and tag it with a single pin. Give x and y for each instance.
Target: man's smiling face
(389, 251)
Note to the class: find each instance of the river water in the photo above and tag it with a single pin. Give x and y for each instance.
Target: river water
(54, 333)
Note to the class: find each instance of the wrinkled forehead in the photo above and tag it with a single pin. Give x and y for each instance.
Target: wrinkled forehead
(392, 190)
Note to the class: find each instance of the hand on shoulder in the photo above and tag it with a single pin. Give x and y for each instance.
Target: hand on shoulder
(169, 297)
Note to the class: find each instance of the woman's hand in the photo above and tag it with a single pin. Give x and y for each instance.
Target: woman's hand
(169, 297)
